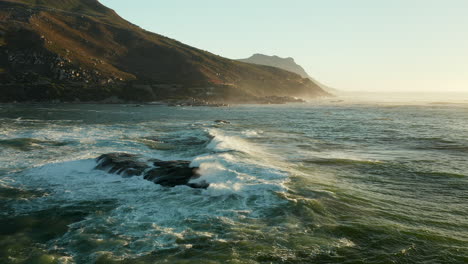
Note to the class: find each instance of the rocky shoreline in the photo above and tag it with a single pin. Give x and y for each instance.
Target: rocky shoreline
(171, 102)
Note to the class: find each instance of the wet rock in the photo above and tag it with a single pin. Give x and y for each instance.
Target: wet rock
(156, 143)
(122, 163)
(166, 173)
(173, 173)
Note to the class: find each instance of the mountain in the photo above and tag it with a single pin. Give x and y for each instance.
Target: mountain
(287, 64)
(72, 50)
(283, 63)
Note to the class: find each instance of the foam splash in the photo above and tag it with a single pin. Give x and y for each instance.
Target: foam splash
(252, 133)
(237, 166)
(228, 175)
(222, 143)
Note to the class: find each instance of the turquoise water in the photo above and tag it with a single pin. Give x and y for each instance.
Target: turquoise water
(313, 183)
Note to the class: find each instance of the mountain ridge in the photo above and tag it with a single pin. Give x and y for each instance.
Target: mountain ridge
(81, 50)
(287, 64)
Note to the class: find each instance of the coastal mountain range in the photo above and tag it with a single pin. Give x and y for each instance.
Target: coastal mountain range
(80, 50)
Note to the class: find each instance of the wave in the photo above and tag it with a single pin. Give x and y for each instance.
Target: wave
(227, 174)
(252, 133)
(442, 144)
(27, 144)
(223, 143)
(335, 157)
(236, 166)
(147, 217)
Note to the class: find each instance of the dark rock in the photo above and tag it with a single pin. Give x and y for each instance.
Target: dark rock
(166, 173)
(173, 173)
(122, 163)
(199, 185)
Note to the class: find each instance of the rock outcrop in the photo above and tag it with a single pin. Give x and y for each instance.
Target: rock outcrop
(165, 173)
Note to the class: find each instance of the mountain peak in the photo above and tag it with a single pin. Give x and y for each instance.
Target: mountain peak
(287, 64)
(275, 61)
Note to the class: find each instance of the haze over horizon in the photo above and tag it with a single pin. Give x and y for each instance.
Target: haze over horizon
(364, 45)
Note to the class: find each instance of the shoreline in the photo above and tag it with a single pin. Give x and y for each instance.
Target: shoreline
(193, 102)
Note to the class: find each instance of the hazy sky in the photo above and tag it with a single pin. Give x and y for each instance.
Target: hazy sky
(371, 45)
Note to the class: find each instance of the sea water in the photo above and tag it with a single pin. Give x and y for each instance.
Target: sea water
(308, 183)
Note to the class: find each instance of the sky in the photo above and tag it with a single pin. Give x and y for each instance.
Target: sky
(358, 45)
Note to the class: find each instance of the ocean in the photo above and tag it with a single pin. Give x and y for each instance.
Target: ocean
(323, 182)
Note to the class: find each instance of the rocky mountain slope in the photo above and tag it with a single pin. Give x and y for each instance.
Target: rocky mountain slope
(286, 64)
(80, 50)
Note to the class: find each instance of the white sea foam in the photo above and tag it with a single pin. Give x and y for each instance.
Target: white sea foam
(238, 177)
(252, 133)
(242, 174)
(222, 142)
